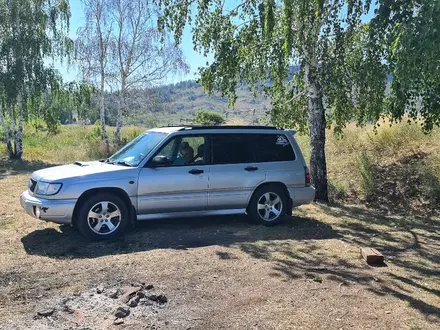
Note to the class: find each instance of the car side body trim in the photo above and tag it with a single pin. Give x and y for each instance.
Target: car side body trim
(191, 214)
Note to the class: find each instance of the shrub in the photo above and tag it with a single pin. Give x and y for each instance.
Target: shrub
(38, 124)
(367, 172)
(96, 132)
(129, 135)
(336, 191)
(206, 117)
(96, 149)
(430, 185)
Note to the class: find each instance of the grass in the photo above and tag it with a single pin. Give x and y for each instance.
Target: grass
(73, 142)
(356, 160)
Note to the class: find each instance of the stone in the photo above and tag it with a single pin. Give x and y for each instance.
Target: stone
(122, 312)
(118, 321)
(128, 292)
(149, 287)
(113, 294)
(100, 289)
(161, 299)
(46, 312)
(141, 294)
(68, 309)
(134, 301)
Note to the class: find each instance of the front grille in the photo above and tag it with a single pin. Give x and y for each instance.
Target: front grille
(32, 185)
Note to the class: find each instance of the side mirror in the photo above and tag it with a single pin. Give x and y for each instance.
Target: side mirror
(159, 161)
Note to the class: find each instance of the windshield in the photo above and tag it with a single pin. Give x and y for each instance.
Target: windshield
(135, 151)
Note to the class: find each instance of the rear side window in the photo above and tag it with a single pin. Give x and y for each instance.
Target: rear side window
(233, 148)
(274, 148)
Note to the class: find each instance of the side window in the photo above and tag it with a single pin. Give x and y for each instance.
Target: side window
(184, 150)
(191, 151)
(274, 148)
(233, 148)
(168, 149)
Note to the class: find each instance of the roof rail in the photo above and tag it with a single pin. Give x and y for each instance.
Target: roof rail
(200, 127)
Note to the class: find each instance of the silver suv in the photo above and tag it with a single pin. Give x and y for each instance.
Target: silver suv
(175, 172)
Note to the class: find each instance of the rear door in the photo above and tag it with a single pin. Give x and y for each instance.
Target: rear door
(281, 164)
(234, 171)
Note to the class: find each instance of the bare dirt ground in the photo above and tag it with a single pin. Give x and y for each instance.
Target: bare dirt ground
(220, 273)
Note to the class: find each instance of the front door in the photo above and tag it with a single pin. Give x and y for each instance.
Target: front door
(178, 185)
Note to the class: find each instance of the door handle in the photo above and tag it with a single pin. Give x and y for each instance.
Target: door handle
(251, 168)
(195, 171)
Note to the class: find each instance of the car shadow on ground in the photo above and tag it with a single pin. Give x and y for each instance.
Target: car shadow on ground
(66, 242)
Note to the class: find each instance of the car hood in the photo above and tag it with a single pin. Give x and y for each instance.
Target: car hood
(78, 169)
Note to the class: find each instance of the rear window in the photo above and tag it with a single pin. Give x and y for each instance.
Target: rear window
(233, 148)
(274, 148)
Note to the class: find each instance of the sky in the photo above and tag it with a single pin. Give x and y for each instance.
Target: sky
(193, 58)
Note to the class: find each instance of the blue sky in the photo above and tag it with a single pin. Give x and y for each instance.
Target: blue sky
(193, 58)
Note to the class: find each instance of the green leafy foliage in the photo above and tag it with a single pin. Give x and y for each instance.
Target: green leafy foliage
(96, 132)
(406, 33)
(319, 62)
(30, 33)
(206, 117)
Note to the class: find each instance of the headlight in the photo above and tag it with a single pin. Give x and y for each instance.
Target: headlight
(45, 188)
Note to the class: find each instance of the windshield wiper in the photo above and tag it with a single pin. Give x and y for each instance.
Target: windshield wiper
(119, 162)
(105, 160)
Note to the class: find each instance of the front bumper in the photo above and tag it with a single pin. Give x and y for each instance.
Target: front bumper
(54, 210)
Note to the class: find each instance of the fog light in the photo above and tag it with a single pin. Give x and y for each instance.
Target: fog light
(37, 212)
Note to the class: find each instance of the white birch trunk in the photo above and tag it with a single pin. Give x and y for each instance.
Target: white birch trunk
(317, 125)
(18, 137)
(102, 116)
(6, 133)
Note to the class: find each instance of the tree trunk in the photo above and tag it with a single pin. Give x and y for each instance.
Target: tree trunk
(6, 134)
(102, 117)
(317, 124)
(13, 130)
(18, 138)
(121, 104)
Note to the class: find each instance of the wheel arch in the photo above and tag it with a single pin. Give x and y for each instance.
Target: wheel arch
(121, 193)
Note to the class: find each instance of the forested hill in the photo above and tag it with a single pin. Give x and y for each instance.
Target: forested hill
(178, 103)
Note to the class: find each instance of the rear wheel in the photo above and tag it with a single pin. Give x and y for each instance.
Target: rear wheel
(268, 205)
(103, 216)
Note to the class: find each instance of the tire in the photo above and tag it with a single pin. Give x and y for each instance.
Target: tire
(103, 216)
(268, 212)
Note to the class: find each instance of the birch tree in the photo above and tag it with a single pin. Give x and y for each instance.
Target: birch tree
(30, 31)
(93, 51)
(317, 60)
(139, 59)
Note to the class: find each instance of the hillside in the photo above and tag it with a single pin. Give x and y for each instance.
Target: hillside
(178, 103)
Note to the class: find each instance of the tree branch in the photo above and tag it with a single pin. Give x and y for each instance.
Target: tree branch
(295, 97)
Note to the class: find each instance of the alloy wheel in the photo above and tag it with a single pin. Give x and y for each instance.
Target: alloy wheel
(104, 218)
(269, 206)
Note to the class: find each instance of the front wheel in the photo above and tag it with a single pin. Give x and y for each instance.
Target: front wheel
(267, 205)
(103, 216)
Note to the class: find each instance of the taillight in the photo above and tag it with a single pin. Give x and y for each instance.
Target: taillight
(307, 176)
